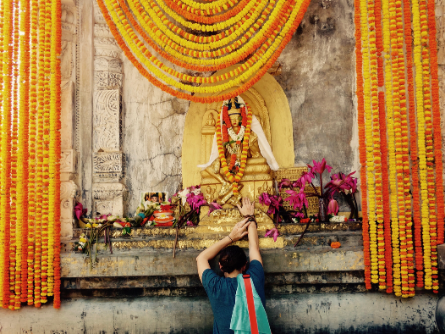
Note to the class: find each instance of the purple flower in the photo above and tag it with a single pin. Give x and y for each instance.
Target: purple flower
(319, 167)
(195, 201)
(189, 223)
(275, 202)
(264, 199)
(285, 183)
(332, 207)
(342, 183)
(306, 177)
(213, 206)
(300, 215)
(272, 233)
(297, 199)
(79, 210)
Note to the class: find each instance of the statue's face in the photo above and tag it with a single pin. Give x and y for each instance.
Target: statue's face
(234, 119)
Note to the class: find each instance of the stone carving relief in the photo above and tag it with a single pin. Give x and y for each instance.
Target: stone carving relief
(106, 120)
(68, 161)
(107, 166)
(108, 198)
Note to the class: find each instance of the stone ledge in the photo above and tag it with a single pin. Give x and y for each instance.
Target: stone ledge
(161, 263)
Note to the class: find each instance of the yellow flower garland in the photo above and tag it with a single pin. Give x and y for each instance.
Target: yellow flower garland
(15, 228)
(422, 146)
(207, 89)
(5, 150)
(247, 27)
(391, 149)
(2, 224)
(32, 150)
(369, 143)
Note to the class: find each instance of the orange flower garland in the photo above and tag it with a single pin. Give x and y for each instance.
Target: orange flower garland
(436, 122)
(15, 229)
(22, 198)
(32, 151)
(2, 225)
(56, 49)
(383, 148)
(362, 145)
(233, 178)
(268, 51)
(6, 149)
(421, 99)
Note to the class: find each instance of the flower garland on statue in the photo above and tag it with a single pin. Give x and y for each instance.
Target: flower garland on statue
(226, 136)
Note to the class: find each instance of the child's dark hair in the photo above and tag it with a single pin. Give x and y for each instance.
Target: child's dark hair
(232, 258)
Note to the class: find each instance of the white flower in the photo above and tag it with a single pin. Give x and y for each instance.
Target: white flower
(183, 195)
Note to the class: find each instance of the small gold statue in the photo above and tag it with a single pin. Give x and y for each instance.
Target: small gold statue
(233, 144)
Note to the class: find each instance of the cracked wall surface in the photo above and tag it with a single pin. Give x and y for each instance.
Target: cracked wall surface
(318, 77)
(152, 135)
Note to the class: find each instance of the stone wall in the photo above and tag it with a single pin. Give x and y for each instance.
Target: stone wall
(305, 313)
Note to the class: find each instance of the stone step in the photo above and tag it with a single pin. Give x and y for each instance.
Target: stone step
(285, 229)
(202, 241)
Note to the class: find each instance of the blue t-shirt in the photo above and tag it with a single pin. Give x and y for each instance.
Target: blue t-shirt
(222, 290)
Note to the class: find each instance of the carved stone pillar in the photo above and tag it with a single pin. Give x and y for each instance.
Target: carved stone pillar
(107, 121)
(68, 162)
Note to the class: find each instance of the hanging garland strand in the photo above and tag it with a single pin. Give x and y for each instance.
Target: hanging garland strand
(436, 122)
(32, 151)
(54, 147)
(22, 186)
(6, 148)
(362, 142)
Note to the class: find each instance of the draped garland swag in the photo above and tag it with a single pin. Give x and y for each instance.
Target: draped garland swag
(194, 40)
(30, 47)
(400, 143)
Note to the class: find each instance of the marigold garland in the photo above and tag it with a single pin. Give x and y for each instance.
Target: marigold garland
(30, 152)
(6, 149)
(362, 143)
(265, 35)
(222, 139)
(417, 139)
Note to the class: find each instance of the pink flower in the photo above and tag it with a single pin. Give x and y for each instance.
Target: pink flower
(332, 207)
(195, 201)
(275, 202)
(319, 167)
(306, 177)
(189, 223)
(264, 199)
(297, 199)
(285, 183)
(79, 210)
(300, 215)
(213, 206)
(273, 233)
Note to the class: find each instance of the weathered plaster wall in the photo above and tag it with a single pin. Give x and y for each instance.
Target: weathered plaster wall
(303, 313)
(152, 134)
(318, 78)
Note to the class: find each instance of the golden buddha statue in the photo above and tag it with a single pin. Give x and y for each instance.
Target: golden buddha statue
(233, 133)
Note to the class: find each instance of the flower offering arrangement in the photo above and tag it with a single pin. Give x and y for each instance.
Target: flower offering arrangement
(30, 152)
(399, 143)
